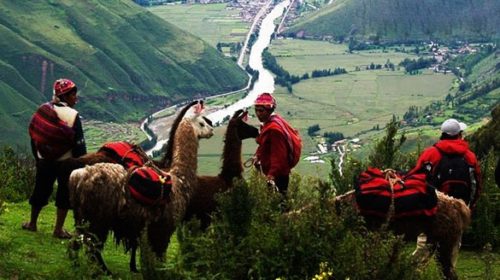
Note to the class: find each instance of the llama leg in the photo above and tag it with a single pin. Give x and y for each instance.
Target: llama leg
(445, 258)
(97, 258)
(94, 249)
(132, 264)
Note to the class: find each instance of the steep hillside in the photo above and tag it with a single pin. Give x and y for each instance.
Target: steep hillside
(404, 20)
(126, 61)
(487, 137)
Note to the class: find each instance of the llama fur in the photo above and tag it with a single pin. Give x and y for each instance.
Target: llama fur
(125, 217)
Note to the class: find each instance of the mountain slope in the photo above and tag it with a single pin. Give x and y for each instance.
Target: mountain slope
(126, 61)
(405, 20)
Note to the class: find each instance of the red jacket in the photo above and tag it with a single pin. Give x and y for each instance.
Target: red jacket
(272, 153)
(432, 156)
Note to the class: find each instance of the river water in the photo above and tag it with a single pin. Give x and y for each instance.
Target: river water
(265, 83)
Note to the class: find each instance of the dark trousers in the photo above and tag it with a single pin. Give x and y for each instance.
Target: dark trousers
(47, 172)
(282, 184)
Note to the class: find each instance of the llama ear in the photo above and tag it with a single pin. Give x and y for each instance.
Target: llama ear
(198, 108)
(244, 116)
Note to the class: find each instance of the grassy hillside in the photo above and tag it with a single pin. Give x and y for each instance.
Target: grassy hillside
(404, 20)
(126, 61)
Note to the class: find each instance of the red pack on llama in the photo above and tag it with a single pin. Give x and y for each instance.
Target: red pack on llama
(376, 190)
(149, 185)
(124, 153)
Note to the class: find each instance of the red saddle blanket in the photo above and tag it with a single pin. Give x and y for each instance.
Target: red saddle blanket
(124, 153)
(412, 195)
(149, 185)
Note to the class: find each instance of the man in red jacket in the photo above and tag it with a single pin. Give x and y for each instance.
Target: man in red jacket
(272, 152)
(451, 144)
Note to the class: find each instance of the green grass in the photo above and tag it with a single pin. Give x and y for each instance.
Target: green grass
(30, 255)
(304, 56)
(38, 255)
(213, 23)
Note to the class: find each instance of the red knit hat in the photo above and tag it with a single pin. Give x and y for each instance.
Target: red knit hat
(265, 99)
(63, 86)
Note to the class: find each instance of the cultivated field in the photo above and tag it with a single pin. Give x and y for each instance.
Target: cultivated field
(213, 23)
(304, 56)
(97, 133)
(358, 101)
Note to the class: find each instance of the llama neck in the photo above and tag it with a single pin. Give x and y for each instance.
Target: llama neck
(185, 153)
(231, 157)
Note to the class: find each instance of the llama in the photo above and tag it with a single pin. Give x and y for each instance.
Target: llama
(203, 201)
(100, 198)
(444, 231)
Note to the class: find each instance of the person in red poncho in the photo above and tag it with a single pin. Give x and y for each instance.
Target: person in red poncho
(56, 134)
(272, 152)
(452, 143)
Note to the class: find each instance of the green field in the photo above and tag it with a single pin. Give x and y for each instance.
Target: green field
(358, 101)
(213, 23)
(303, 56)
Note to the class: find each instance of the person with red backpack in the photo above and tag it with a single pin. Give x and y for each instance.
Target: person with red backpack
(56, 134)
(452, 167)
(279, 144)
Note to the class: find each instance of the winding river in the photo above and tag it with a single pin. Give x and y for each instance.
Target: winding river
(265, 83)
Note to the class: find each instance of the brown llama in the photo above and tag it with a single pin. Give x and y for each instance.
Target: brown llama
(101, 199)
(203, 200)
(444, 230)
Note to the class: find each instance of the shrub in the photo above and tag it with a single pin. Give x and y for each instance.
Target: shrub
(250, 238)
(386, 153)
(485, 228)
(18, 175)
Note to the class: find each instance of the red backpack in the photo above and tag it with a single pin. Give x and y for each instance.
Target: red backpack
(293, 139)
(52, 136)
(412, 195)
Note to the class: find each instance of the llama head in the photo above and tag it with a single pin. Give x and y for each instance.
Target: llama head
(243, 129)
(203, 127)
